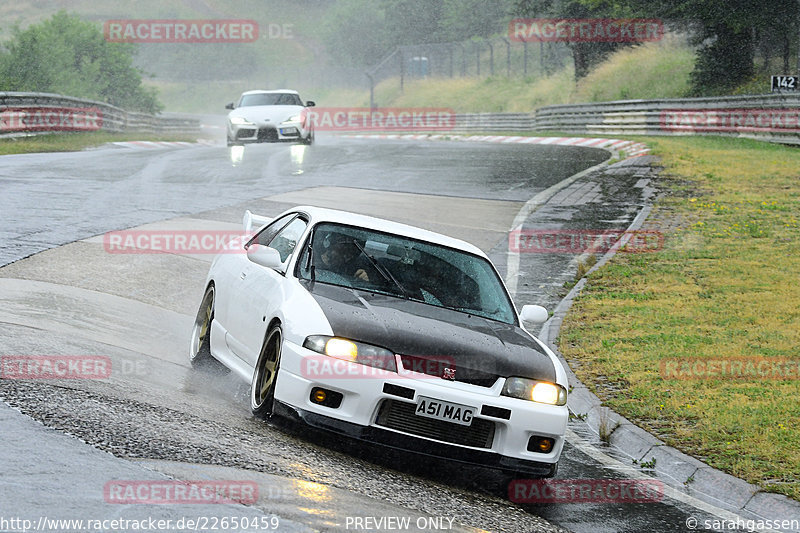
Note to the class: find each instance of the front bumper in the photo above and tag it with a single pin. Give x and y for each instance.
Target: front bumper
(498, 437)
(255, 133)
(382, 437)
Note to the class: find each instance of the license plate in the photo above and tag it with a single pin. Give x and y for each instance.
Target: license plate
(440, 410)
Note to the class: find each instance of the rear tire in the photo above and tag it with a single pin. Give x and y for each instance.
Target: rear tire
(265, 376)
(200, 347)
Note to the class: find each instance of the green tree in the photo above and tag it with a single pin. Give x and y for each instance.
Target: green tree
(414, 21)
(726, 32)
(464, 19)
(355, 32)
(66, 55)
(585, 55)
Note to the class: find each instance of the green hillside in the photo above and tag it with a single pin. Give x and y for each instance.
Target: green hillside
(653, 70)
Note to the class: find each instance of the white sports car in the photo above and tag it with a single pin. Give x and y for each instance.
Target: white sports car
(387, 333)
(269, 116)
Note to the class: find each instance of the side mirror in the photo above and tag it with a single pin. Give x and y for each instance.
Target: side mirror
(534, 314)
(311, 103)
(264, 256)
(229, 106)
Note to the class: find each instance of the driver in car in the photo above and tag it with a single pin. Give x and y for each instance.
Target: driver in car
(339, 255)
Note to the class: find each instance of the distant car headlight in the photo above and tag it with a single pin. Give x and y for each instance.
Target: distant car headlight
(356, 352)
(240, 121)
(535, 391)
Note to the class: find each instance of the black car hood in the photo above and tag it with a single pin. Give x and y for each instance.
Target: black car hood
(430, 338)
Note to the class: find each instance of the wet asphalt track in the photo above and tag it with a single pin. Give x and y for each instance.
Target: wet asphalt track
(168, 413)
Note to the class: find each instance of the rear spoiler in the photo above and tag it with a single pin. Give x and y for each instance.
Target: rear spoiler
(250, 221)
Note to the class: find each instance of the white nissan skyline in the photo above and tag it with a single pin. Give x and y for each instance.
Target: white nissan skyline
(386, 333)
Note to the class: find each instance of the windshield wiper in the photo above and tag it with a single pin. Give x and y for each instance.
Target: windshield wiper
(383, 271)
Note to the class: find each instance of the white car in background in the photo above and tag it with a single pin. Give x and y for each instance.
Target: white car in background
(269, 116)
(386, 333)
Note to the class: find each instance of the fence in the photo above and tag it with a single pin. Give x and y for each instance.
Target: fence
(31, 113)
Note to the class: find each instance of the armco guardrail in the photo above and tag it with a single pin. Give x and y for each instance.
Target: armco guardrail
(33, 113)
(773, 118)
(470, 122)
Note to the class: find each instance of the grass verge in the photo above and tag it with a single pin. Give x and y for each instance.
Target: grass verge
(723, 287)
(70, 142)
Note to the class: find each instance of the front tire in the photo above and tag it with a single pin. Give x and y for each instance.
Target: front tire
(200, 347)
(265, 376)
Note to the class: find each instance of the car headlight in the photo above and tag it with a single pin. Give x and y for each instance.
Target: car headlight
(293, 118)
(240, 121)
(356, 352)
(535, 391)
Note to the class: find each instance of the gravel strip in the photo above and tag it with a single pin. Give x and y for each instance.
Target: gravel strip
(135, 429)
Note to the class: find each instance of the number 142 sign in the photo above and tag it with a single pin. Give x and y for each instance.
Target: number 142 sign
(785, 83)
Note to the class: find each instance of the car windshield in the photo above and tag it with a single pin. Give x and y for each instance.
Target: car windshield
(407, 268)
(248, 100)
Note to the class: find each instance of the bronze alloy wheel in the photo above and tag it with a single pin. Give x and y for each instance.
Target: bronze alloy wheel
(200, 348)
(262, 390)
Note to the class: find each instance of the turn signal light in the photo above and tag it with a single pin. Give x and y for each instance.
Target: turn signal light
(326, 397)
(540, 444)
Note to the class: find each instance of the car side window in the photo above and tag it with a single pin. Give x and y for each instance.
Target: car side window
(286, 239)
(264, 237)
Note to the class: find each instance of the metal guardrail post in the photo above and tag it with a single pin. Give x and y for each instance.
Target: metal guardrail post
(491, 57)
(508, 56)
